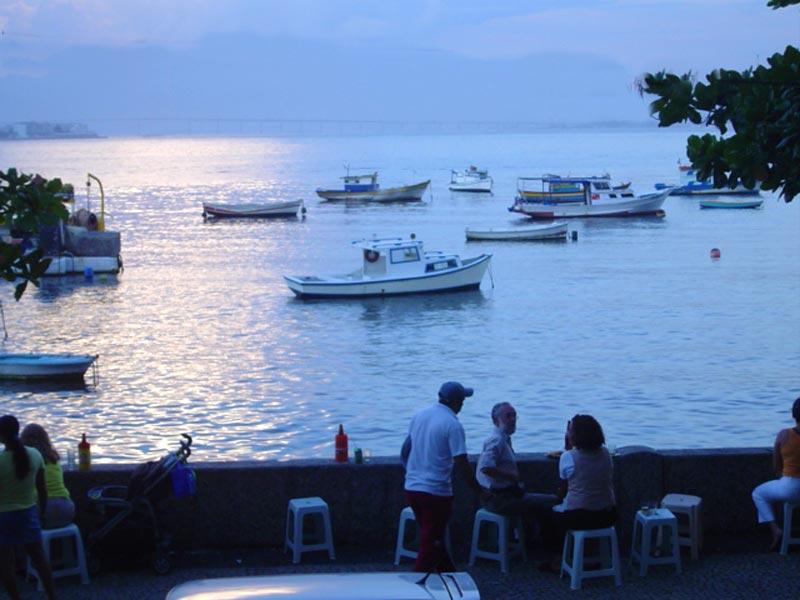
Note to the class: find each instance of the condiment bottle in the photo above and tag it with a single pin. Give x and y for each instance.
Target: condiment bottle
(341, 445)
(84, 454)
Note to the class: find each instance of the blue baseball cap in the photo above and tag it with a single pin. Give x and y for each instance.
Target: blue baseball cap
(452, 391)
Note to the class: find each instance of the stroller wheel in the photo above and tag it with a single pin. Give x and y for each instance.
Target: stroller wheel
(161, 562)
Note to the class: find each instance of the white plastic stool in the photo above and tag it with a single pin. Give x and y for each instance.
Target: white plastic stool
(574, 543)
(690, 534)
(788, 509)
(75, 566)
(507, 546)
(298, 510)
(665, 525)
(406, 516)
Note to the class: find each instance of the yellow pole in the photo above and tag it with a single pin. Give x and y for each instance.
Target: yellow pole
(101, 222)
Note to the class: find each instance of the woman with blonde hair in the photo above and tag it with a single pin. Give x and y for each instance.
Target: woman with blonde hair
(60, 510)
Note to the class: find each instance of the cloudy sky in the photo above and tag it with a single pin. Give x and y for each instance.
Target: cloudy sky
(536, 60)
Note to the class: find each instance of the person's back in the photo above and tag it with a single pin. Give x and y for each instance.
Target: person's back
(436, 436)
(591, 481)
(790, 452)
(18, 494)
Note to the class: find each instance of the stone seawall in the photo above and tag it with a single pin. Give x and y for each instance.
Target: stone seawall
(242, 504)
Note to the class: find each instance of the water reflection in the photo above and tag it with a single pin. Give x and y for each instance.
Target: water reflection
(45, 387)
(52, 288)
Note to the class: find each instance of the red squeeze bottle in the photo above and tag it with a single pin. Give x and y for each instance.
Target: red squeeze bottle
(341, 445)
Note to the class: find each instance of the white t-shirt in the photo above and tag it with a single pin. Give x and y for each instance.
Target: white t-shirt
(436, 437)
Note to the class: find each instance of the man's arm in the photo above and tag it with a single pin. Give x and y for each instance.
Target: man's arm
(496, 473)
(41, 491)
(405, 450)
(464, 469)
(777, 457)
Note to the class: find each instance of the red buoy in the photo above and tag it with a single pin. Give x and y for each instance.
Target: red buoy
(715, 253)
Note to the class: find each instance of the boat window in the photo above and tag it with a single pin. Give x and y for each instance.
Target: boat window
(440, 266)
(401, 255)
(601, 185)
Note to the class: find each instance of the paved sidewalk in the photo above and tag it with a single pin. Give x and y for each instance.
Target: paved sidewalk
(721, 574)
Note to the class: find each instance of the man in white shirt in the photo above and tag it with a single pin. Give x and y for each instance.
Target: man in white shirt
(435, 444)
(498, 474)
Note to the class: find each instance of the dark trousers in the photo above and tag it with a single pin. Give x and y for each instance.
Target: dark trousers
(432, 514)
(580, 519)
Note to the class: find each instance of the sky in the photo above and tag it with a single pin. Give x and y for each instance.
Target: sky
(503, 60)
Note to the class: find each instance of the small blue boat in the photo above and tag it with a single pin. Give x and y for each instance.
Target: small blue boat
(730, 203)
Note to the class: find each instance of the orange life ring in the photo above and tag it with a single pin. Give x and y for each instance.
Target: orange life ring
(371, 256)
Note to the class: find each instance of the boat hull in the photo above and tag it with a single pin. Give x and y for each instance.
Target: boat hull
(73, 265)
(466, 277)
(556, 231)
(731, 203)
(649, 204)
(31, 367)
(476, 186)
(407, 193)
(253, 211)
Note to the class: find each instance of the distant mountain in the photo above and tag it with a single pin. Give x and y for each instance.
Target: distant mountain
(254, 77)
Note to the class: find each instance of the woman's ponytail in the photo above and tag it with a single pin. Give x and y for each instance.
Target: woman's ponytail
(9, 435)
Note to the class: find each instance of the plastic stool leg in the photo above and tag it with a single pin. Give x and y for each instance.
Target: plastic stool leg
(615, 560)
(298, 536)
(502, 543)
(577, 564)
(329, 534)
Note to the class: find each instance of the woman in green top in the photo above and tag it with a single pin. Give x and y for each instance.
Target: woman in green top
(60, 510)
(21, 477)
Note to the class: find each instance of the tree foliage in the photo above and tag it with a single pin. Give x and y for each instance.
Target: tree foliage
(27, 203)
(756, 111)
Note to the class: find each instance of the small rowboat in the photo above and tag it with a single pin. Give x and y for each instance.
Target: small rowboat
(253, 211)
(555, 231)
(731, 203)
(45, 366)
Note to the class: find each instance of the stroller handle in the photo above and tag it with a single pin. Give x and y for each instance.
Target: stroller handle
(185, 450)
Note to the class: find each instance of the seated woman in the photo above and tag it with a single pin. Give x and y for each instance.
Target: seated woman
(786, 460)
(587, 474)
(60, 510)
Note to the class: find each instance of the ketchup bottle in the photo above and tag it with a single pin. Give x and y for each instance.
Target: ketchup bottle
(84, 454)
(341, 445)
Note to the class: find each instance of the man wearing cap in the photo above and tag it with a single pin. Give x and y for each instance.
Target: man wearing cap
(435, 444)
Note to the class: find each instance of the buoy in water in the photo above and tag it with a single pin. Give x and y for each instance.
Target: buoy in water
(715, 253)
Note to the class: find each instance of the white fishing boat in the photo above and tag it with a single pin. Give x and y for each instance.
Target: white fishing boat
(471, 180)
(553, 231)
(395, 266)
(730, 203)
(69, 264)
(365, 188)
(592, 204)
(268, 210)
(45, 366)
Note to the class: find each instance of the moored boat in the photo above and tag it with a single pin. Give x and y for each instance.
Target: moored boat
(556, 189)
(691, 185)
(553, 231)
(253, 211)
(471, 180)
(45, 366)
(730, 203)
(395, 266)
(592, 203)
(365, 188)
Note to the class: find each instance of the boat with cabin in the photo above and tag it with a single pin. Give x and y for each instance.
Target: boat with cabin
(365, 188)
(293, 208)
(472, 179)
(551, 231)
(557, 189)
(592, 203)
(395, 266)
(692, 185)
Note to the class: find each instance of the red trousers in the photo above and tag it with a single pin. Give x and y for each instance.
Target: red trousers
(432, 514)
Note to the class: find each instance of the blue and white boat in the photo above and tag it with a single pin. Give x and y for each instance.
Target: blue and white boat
(731, 203)
(395, 266)
(690, 185)
(40, 367)
(365, 188)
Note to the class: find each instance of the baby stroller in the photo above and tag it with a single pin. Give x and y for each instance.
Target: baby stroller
(132, 511)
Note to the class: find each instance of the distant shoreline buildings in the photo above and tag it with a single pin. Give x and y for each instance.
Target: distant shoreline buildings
(45, 130)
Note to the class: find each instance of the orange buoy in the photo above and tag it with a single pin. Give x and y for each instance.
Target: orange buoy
(715, 253)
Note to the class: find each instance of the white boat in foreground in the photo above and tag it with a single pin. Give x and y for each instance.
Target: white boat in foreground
(395, 266)
(554, 231)
(67, 264)
(471, 180)
(45, 366)
(253, 211)
(591, 205)
(731, 203)
(365, 188)
(332, 586)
